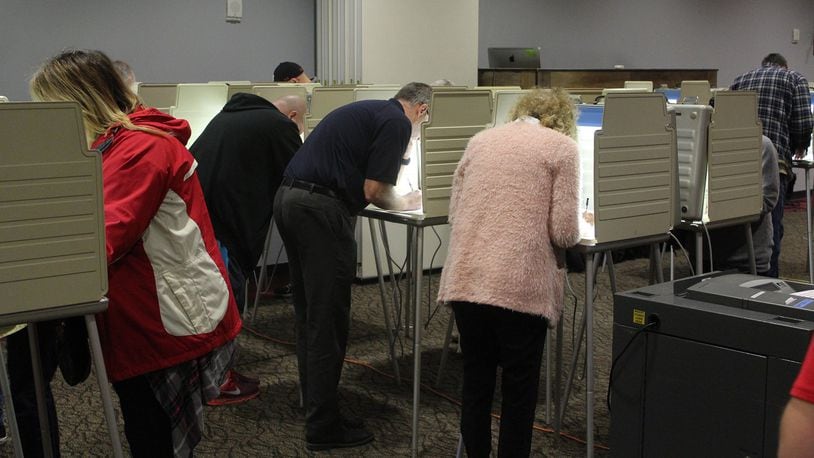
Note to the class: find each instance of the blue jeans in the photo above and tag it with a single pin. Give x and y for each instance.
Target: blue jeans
(777, 228)
(237, 279)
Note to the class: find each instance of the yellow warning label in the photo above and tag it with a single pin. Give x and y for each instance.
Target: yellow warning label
(639, 317)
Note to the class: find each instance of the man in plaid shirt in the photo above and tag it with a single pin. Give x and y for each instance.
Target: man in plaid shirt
(784, 109)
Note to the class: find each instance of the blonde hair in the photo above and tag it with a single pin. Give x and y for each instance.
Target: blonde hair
(553, 107)
(90, 79)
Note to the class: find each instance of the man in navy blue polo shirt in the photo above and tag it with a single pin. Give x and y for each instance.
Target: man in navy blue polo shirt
(351, 159)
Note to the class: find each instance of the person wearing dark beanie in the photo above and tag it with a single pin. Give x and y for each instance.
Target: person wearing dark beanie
(290, 72)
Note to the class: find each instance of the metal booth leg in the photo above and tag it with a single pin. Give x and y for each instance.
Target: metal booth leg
(391, 342)
(591, 261)
(104, 386)
(558, 397)
(262, 286)
(808, 230)
(39, 388)
(445, 350)
(589, 356)
(261, 280)
(9, 406)
(418, 253)
(750, 246)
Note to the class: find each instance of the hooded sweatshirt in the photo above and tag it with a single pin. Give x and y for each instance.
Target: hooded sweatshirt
(242, 155)
(169, 300)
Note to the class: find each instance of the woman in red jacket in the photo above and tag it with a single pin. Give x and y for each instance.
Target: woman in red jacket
(168, 334)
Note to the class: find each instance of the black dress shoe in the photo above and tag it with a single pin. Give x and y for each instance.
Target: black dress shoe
(347, 437)
(351, 422)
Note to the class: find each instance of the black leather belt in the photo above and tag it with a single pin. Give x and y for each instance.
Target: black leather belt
(310, 187)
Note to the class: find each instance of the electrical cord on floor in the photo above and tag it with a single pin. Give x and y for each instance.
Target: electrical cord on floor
(686, 255)
(709, 245)
(430, 311)
(574, 315)
(640, 331)
(426, 387)
(397, 297)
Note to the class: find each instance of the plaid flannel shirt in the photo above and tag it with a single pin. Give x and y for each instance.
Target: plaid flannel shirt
(784, 108)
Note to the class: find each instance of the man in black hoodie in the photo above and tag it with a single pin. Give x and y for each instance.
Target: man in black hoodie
(241, 157)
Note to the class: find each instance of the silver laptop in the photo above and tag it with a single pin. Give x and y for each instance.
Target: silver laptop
(514, 57)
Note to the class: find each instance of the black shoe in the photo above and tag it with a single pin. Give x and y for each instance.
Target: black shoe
(284, 291)
(351, 422)
(348, 437)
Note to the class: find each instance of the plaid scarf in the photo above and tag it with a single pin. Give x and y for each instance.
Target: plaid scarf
(183, 389)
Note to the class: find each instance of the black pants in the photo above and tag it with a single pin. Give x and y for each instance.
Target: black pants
(146, 424)
(318, 233)
(491, 337)
(23, 393)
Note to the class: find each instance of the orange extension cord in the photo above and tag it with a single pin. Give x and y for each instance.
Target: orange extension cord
(426, 387)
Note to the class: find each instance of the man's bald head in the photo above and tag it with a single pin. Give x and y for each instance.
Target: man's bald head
(294, 107)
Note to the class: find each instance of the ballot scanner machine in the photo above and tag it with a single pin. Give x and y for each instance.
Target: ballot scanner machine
(703, 365)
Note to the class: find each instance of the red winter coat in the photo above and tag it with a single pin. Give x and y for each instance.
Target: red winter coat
(170, 299)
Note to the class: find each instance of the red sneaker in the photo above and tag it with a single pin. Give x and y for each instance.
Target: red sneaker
(243, 378)
(235, 391)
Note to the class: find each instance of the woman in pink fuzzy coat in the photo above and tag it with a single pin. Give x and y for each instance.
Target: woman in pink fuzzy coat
(513, 212)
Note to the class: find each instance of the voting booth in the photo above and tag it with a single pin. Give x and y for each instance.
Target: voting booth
(695, 91)
(504, 102)
(198, 103)
(236, 86)
(53, 262)
(455, 117)
(52, 216)
(720, 165)
(800, 183)
(628, 183)
(158, 95)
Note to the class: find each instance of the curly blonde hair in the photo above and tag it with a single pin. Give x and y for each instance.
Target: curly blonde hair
(553, 107)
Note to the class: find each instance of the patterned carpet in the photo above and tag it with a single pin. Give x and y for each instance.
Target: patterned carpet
(272, 425)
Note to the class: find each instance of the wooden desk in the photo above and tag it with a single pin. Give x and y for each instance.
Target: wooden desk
(591, 78)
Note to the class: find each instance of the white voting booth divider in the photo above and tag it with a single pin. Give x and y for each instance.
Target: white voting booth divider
(720, 164)
(158, 95)
(504, 102)
(198, 103)
(455, 116)
(53, 262)
(627, 155)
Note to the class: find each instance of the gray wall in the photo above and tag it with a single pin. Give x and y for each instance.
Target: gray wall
(730, 35)
(163, 40)
(189, 40)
